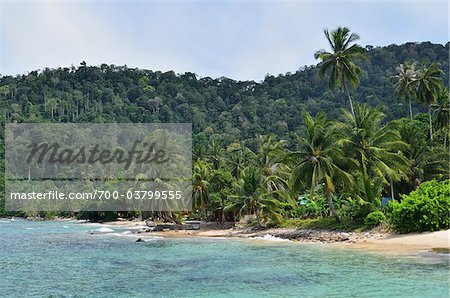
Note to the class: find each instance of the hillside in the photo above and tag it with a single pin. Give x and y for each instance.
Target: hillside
(232, 110)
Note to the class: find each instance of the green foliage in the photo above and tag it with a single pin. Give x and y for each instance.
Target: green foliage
(320, 223)
(374, 219)
(311, 208)
(252, 152)
(231, 110)
(425, 209)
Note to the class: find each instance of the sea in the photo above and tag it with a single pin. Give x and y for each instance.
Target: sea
(75, 259)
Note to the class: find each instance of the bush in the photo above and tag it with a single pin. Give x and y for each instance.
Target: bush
(374, 219)
(425, 209)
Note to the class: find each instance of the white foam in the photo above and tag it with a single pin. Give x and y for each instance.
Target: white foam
(270, 238)
(126, 233)
(152, 238)
(104, 230)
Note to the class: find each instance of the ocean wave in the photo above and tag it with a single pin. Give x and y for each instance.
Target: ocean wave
(151, 238)
(269, 237)
(104, 230)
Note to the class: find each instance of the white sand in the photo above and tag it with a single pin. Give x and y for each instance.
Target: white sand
(404, 244)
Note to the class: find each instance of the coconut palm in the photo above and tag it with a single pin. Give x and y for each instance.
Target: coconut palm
(428, 84)
(426, 162)
(317, 159)
(252, 197)
(269, 157)
(404, 87)
(200, 184)
(375, 147)
(340, 62)
(216, 152)
(238, 157)
(441, 112)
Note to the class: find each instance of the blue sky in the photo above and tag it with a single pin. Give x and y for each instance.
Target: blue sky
(243, 40)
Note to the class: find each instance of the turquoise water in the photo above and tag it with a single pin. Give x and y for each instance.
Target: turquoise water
(61, 259)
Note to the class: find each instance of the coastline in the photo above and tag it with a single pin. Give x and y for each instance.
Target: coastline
(388, 243)
(372, 241)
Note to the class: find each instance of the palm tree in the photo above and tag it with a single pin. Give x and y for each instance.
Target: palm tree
(340, 61)
(404, 87)
(428, 83)
(316, 159)
(215, 156)
(269, 157)
(238, 157)
(252, 197)
(201, 174)
(426, 162)
(375, 147)
(442, 112)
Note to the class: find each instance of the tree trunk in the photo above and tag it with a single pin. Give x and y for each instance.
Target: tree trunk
(410, 109)
(258, 219)
(392, 189)
(333, 210)
(430, 122)
(347, 91)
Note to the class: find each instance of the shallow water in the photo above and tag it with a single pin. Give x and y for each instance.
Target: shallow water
(54, 259)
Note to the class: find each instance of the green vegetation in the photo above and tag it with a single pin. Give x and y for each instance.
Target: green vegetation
(425, 209)
(285, 151)
(374, 219)
(343, 69)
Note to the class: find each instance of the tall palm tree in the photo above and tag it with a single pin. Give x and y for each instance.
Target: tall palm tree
(428, 83)
(317, 159)
(375, 147)
(404, 87)
(341, 60)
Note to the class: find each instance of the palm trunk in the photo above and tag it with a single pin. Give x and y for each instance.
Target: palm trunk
(332, 209)
(392, 189)
(258, 218)
(347, 91)
(430, 122)
(410, 109)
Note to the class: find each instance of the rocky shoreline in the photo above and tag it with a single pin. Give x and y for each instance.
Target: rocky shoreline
(307, 235)
(321, 236)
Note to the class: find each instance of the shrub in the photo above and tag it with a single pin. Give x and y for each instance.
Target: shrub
(425, 209)
(374, 219)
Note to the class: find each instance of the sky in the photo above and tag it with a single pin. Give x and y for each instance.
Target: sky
(243, 40)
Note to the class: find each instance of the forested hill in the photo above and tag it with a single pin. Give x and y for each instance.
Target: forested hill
(232, 110)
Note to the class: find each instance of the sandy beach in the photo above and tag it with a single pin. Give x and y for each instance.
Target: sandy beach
(409, 243)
